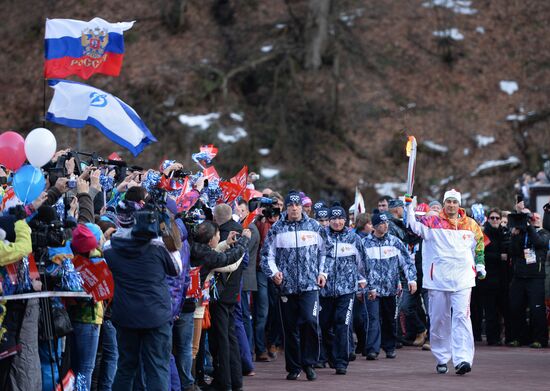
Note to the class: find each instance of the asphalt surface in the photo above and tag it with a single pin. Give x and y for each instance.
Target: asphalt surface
(495, 368)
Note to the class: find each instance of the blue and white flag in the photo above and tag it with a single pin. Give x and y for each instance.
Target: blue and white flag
(77, 104)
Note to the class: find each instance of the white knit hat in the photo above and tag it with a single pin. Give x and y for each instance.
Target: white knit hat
(452, 194)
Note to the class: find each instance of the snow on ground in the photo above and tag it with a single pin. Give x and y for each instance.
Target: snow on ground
(457, 6)
(266, 48)
(393, 189)
(280, 26)
(516, 117)
(509, 86)
(480, 29)
(232, 136)
(435, 147)
(269, 172)
(236, 117)
(466, 151)
(452, 33)
(264, 151)
(511, 161)
(350, 16)
(483, 141)
(201, 121)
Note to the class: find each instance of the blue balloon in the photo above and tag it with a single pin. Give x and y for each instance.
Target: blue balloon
(28, 183)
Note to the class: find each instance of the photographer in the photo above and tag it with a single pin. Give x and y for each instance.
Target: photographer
(141, 310)
(527, 251)
(266, 296)
(206, 239)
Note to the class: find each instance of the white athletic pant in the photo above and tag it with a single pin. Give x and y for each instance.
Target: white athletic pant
(451, 338)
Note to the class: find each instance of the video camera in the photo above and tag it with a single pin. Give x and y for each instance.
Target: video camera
(267, 203)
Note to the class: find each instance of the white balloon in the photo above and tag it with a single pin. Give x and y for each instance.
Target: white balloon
(40, 146)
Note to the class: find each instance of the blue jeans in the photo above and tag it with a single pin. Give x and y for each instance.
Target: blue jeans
(154, 346)
(109, 356)
(261, 306)
(183, 340)
(244, 347)
(85, 339)
(247, 319)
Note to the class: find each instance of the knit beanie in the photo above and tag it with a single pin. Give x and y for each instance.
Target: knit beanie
(84, 240)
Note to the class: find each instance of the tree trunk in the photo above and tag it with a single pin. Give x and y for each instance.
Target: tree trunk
(316, 34)
(174, 15)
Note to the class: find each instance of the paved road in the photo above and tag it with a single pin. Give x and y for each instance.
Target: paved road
(495, 368)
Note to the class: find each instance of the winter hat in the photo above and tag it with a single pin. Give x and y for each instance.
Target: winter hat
(318, 205)
(84, 240)
(322, 213)
(379, 218)
(293, 197)
(435, 203)
(395, 203)
(306, 201)
(337, 212)
(125, 213)
(94, 228)
(452, 194)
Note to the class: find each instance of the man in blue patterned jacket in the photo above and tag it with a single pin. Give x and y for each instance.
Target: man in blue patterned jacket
(387, 255)
(346, 269)
(293, 257)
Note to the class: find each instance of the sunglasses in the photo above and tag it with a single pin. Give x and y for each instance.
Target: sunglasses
(494, 218)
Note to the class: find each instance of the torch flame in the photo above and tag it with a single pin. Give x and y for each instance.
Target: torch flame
(408, 148)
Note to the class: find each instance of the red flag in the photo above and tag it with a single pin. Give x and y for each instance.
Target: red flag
(210, 173)
(250, 218)
(210, 149)
(230, 191)
(251, 193)
(98, 280)
(241, 177)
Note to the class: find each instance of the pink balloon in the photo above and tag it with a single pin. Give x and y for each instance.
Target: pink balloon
(12, 150)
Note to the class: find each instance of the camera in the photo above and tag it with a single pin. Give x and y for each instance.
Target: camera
(71, 183)
(53, 234)
(180, 174)
(267, 203)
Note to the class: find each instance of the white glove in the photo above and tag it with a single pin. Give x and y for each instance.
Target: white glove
(481, 272)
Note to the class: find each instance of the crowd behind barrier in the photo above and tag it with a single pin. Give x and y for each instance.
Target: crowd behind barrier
(120, 278)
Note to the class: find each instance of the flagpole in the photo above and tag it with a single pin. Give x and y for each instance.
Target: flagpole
(44, 104)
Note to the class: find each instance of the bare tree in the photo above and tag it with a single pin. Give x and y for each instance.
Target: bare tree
(316, 34)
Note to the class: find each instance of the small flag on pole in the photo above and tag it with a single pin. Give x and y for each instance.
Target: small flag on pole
(359, 204)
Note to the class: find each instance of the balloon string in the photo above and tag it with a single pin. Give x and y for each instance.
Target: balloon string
(29, 188)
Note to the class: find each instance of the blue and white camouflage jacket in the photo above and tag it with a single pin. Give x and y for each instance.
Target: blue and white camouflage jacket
(388, 255)
(294, 248)
(345, 262)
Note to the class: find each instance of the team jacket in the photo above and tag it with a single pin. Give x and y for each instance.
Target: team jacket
(345, 262)
(451, 250)
(294, 248)
(387, 255)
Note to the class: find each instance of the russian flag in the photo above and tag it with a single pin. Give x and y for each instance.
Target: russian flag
(75, 47)
(76, 105)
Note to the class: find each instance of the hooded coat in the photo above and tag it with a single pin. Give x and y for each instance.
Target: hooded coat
(142, 295)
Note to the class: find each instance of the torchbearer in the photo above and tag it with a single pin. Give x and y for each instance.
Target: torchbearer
(453, 253)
